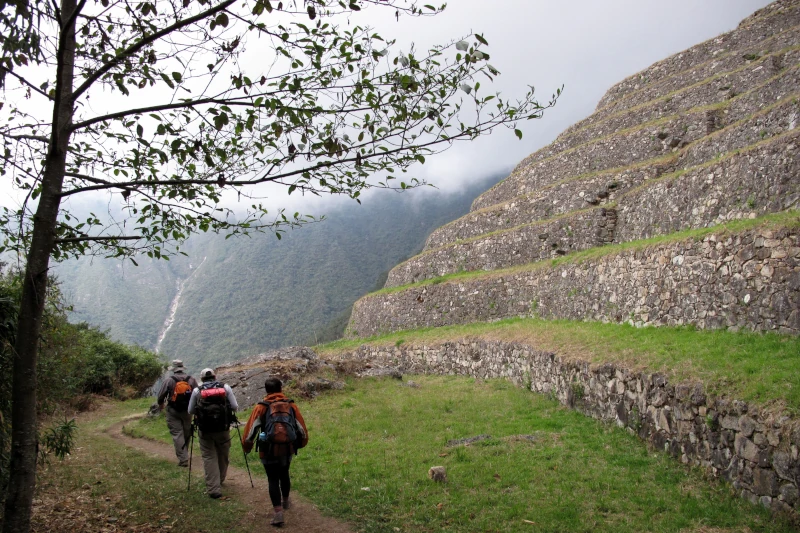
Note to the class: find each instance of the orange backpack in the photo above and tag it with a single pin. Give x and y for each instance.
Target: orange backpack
(181, 394)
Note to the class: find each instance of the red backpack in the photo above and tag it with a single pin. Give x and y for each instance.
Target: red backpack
(181, 394)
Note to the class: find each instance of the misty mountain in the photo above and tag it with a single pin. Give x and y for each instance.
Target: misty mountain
(240, 296)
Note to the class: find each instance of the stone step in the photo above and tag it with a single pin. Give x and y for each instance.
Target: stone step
(778, 17)
(726, 189)
(743, 279)
(604, 187)
(709, 91)
(642, 143)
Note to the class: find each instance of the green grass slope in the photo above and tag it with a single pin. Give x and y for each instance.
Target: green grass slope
(544, 469)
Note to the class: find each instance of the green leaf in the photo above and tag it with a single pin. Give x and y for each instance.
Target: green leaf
(221, 120)
(222, 20)
(480, 39)
(519, 134)
(167, 80)
(177, 76)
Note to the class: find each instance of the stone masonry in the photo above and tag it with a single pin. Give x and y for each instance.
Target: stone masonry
(764, 178)
(745, 280)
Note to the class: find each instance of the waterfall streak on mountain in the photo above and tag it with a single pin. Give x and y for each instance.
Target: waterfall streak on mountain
(173, 308)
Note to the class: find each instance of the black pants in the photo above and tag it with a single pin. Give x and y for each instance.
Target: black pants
(279, 482)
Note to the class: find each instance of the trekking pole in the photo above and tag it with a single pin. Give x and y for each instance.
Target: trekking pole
(245, 455)
(191, 450)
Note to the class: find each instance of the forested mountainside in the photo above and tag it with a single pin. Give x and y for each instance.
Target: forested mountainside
(242, 296)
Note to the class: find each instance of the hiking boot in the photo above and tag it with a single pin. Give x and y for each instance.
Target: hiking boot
(286, 504)
(215, 495)
(183, 463)
(277, 520)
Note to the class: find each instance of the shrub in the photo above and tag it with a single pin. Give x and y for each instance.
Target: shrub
(74, 360)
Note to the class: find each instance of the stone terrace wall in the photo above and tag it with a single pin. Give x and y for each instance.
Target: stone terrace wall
(748, 280)
(762, 179)
(751, 448)
(775, 18)
(578, 192)
(604, 187)
(569, 195)
(526, 244)
(748, 80)
(650, 140)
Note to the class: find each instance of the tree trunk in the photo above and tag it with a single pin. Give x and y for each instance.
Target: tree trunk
(24, 427)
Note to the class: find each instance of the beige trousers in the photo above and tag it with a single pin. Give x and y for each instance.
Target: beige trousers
(179, 425)
(215, 447)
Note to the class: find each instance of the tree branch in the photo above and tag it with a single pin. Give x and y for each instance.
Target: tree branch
(144, 42)
(98, 239)
(26, 82)
(192, 103)
(255, 181)
(28, 137)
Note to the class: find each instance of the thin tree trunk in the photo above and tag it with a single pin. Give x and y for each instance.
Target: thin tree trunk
(24, 445)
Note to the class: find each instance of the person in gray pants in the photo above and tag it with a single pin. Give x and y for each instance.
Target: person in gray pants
(176, 392)
(213, 406)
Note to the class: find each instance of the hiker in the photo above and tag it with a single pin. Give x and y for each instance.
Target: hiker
(176, 392)
(213, 406)
(279, 430)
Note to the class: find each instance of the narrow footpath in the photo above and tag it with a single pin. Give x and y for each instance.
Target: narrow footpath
(303, 517)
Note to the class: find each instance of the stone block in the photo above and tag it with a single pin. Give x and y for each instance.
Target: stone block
(765, 482)
(789, 494)
(747, 426)
(746, 449)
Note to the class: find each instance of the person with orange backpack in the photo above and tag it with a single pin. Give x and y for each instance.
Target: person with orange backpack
(277, 430)
(176, 391)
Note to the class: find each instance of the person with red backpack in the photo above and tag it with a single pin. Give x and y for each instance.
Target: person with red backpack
(278, 430)
(176, 391)
(213, 405)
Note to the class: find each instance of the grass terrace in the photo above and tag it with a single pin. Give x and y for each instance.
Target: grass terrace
(544, 468)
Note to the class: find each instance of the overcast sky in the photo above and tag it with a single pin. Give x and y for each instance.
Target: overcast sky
(586, 45)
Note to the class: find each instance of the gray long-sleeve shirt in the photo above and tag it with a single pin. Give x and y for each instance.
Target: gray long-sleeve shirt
(168, 385)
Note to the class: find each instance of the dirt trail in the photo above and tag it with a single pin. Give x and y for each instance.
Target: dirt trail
(303, 517)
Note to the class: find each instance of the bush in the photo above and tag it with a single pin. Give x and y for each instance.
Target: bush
(109, 365)
(75, 360)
